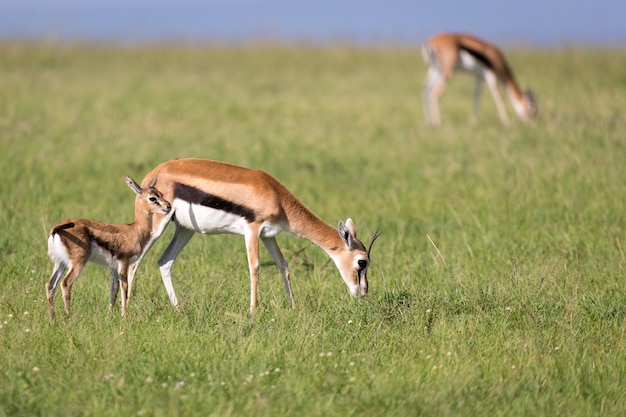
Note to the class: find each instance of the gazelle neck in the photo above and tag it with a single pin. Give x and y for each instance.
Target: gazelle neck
(513, 89)
(516, 96)
(307, 225)
(144, 223)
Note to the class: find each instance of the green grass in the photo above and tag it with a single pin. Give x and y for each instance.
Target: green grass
(497, 288)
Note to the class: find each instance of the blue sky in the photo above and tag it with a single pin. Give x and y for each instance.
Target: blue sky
(529, 22)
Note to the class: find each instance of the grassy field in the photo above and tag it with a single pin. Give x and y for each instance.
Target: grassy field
(497, 288)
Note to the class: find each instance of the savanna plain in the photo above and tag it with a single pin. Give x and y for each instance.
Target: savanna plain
(497, 286)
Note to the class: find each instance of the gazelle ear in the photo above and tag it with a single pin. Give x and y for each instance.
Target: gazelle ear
(351, 227)
(132, 184)
(347, 232)
(154, 181)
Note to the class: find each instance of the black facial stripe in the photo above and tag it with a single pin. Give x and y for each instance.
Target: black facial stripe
(193, 195)
(362, 274)
(478, 56)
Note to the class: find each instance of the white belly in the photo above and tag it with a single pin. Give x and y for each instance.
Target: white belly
(102, 257)
(207, 220)
(468, 63)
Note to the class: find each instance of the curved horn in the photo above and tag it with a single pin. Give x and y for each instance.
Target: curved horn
(374, 237)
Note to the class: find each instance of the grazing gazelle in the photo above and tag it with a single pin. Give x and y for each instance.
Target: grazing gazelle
(74, 242)
(446, 53)
(213, 197)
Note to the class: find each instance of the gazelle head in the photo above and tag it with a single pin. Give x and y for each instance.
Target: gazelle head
(354, 261)
(149, 199)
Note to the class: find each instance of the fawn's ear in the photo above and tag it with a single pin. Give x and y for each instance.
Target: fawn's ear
(132, 184)
(154, 180)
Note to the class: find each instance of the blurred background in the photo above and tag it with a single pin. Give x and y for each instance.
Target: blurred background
(531, 22)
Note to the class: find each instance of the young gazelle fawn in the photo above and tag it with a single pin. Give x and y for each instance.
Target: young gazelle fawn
(213, 197)
(447, 53)
(72, 243)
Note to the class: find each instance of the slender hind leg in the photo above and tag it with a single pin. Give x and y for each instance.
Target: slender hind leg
(51, 284)
(477, 90)
(434, 85)
(115, 287)
(66, 286)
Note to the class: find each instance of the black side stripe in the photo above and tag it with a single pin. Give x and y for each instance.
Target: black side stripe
(478, 56)
(193, 195)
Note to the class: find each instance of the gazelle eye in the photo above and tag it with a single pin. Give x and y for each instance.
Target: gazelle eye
(362, 264)
(153, 199)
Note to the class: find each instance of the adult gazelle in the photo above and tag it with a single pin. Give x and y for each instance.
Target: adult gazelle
(213, 197)
(447, 53)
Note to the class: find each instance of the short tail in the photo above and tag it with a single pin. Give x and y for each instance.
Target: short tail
(60, 227)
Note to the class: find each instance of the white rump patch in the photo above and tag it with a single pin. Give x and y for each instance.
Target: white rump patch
(57, 250)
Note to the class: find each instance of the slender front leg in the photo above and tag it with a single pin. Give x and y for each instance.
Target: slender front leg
(132, 270)
(252, 250)
(492, 83)
(281, 262)
(160, 222)
(123, 280)
(166, 261)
